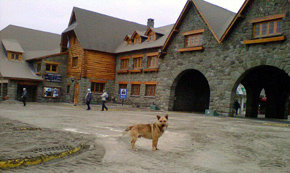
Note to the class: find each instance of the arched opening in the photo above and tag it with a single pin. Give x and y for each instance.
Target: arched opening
(267, 92)
(190, 92)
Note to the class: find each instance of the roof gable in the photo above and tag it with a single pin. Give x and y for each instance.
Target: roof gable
(216, 18)
(100, 32)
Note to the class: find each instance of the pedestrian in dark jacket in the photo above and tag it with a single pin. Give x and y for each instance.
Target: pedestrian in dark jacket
(237, 106)
(88, 99)
(24, 96)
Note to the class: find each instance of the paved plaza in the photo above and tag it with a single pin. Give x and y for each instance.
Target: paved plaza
(192, 143)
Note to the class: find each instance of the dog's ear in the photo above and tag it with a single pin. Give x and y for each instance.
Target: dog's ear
(166, 116)
(158, 117)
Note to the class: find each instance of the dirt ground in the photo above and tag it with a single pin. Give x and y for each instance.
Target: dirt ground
(192, 143)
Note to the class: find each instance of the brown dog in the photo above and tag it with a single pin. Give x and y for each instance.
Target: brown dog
(149, 131)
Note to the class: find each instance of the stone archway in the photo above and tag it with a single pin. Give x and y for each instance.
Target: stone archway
(190, 91)
(276, 84)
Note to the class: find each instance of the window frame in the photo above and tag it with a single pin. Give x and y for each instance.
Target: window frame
(196, 37)
(149, 62)
(73, 65)
(148, 92)
(267, 34)
(98, 87)
(139, 64)
(123, 65)
(133, 89)
(51, 64)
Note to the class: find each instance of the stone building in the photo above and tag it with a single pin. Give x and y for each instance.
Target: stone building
(193, 65)
(227, 49)
(18, 46)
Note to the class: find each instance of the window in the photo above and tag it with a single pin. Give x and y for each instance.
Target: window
(151, 36)
(124, 64)
(152, 62)
(38, 67)
(51, 92)
(193, 40)
(137, 39)
(122, 86)
(135, 90)
(75, 61)
(269, 28)
(137, 63)
(51, 68)
(150, 90)
(97, 87)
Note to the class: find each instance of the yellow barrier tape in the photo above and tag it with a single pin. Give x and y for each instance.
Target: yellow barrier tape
(277, 124)
(14, 163)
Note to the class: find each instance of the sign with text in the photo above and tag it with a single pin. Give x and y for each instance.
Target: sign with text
(123, 93)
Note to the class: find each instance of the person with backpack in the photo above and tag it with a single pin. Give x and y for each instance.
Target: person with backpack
(104, 98)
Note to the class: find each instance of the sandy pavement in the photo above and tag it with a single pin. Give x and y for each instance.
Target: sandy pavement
(192, 143)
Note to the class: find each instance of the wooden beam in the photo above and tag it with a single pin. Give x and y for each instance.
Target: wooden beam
(152, 54)
(151, 70)
(193, 32)
(123, 82)
(135, 71)
(151, 83)
(122, 71)
(98, 81)
(267, 18)
(125, 57)
(188, 49)
(264, 40)
(51, 62)
(137, 55)
(135, 82)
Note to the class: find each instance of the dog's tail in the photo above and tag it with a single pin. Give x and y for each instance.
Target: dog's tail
(127, 130)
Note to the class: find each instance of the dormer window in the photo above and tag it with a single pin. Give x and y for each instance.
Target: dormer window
(151, 36)
(269, 28)
(137, 39)
(128, 40)
(14, 56)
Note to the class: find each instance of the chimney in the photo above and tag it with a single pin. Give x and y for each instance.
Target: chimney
(150, 23)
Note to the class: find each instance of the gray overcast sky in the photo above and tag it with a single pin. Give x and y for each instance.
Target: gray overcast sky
(53, 15)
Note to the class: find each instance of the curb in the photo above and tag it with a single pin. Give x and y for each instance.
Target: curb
(15, 163)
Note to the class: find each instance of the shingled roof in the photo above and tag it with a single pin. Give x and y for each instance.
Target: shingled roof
(100, 32)
(159, 42)
(217, 17)
(33, 44)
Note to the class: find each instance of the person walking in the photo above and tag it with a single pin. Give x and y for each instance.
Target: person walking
(237, 106)
(24, 96)
(104, 98)
(88, 98)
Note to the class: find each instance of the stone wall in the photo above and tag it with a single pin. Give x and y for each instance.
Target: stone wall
(223, 64)
(62, 70)
(142, 77)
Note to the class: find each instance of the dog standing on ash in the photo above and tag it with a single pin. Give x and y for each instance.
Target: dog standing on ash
(148, 131)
